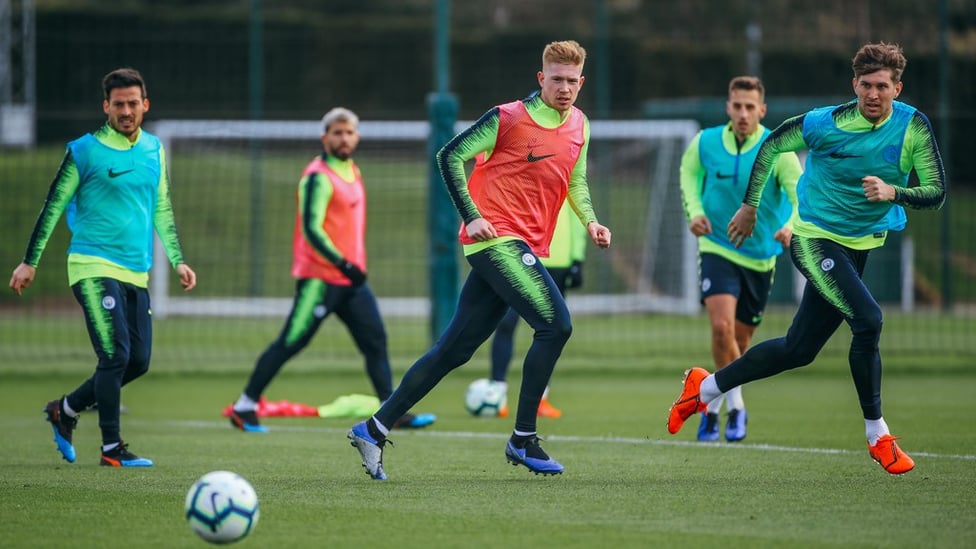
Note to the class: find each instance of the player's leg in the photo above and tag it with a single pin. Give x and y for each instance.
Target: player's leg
(361, 315)
(312, 303)
(749, 310)
(530, 290)
(720, 287)
(478, 312)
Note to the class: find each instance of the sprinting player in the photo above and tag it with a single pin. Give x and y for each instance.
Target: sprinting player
(329, 265)
(531, 155)
(735, 281)
(567, 251)
(114, 186)
(851, 194)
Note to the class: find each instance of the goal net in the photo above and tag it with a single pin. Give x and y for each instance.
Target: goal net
(234, 183)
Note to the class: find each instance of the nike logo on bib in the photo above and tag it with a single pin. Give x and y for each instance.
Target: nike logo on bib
(533, 158)
(113, 174)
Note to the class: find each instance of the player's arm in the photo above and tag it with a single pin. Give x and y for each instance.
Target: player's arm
(164, 219)
(478, 138)
(691, 177)
(788, 171)
(62, 190)
(921, 152)
(165, 223)
(578, 195)
(314, 194)
(787, 137)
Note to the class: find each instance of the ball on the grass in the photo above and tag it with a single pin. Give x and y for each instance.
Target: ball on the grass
(484, 397)
(222, 507)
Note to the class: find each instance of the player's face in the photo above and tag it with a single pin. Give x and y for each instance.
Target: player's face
(341, 139)
(745, 109)
(875, 94)
(125, 108)
(560, 85)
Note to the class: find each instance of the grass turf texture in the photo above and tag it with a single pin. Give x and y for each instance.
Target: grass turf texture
(802, 478)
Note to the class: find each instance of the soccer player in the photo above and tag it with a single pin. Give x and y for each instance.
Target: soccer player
(114, 186)
(567, 251)
(735, 282)
(329, 265)
(852, 192)
(531, 156)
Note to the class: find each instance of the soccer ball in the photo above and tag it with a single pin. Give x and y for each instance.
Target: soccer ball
(484, 398)
(222, 507)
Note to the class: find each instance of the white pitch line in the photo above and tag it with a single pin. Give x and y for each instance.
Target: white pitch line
(569, 438)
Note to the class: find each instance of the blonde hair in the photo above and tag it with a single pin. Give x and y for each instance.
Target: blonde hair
(338, 114)
(566, 52)
(875, 57)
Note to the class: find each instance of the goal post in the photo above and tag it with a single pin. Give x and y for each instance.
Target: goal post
(226, 172)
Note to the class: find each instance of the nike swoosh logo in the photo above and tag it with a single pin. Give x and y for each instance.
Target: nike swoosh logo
(113, 174)
(533, 158)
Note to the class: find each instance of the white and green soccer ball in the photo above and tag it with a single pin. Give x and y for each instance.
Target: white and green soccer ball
(222, 507)
(484, 398)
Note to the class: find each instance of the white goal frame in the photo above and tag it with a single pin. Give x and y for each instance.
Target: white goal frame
(642, 301)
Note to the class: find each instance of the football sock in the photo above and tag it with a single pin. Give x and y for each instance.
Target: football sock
(708, 391)
(245, 404)
(376, 429)
(875, 429)
(715, 406)
(109, 447)
(545, 394)
(733, 399)
(67, 409)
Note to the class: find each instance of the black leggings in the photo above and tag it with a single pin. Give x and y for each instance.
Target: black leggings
(834, 293)
(502, 276)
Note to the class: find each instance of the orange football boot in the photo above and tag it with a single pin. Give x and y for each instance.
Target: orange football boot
(688, 403)
(889, 455)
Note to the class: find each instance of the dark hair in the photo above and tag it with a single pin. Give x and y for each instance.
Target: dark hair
(747, 83)
(125, 77)
(875, 57)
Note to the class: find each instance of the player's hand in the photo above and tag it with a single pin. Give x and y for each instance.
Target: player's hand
(783, 236)
(876, 190)
(574, 275)
(481, 230)
(742, 224)
(22, 277)
(188, 278)
(599, 234)
(353, 273)
(700, 226)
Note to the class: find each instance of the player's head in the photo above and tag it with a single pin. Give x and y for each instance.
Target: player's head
(340, 133)
(561, 76)
(125, 100)
(746, 105)
(877, 78)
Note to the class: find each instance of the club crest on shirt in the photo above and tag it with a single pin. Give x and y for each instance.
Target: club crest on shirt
(827, 264)
(108, 303)
(319, 311)
(528, 259)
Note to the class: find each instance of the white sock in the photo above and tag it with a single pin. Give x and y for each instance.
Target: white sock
(715, 406)
(545, 394)
(245, 404)
(383, 429)
(875, 429)
(733, 398)
(67, 409)
(109, 447)
(523, 433)
(708, 391)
